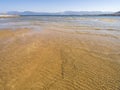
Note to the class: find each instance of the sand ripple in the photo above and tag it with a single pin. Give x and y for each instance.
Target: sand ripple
(55, 59)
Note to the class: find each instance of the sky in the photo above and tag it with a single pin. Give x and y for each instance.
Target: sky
(59, 5)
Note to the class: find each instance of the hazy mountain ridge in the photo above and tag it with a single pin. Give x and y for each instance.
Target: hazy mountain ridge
(59, 13)
(117, 13)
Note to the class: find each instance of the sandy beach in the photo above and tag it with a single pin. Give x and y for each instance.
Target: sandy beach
(55, 59)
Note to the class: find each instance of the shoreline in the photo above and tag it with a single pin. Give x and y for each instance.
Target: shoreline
(9, 16)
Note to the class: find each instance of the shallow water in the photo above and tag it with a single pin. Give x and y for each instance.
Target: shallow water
(111, 22)
(60, 53)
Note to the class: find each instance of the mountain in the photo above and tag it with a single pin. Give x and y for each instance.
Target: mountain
(85, 13)
(59, 13)
(30, 13)
(117, 13)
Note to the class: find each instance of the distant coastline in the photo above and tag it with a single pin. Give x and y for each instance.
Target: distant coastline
(66, 13)
(9, 16)
(59, 13)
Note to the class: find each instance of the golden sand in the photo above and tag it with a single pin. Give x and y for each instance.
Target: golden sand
(55, 59)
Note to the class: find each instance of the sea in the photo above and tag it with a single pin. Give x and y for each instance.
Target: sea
(112, 22)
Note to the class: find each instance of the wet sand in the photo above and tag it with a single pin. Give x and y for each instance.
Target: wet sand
(55, 59)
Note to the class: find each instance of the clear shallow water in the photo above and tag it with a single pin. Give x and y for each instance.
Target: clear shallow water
(73, 53)
(106, 22)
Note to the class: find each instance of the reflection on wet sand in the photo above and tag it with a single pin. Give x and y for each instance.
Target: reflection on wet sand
(59, 59)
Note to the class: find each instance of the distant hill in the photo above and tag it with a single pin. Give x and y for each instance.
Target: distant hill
(113, 14)
(85, 13)
(59, 13)
(117, 13)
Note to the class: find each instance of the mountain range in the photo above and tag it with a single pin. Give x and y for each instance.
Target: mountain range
(59, 13)
(117, 13)
(64, 13)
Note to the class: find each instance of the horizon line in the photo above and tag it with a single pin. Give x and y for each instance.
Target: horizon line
(56, 11)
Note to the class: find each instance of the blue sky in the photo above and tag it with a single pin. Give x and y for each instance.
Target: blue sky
(59, 5)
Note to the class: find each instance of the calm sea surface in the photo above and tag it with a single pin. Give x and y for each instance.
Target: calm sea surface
(106, 22)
